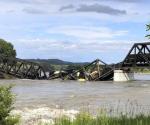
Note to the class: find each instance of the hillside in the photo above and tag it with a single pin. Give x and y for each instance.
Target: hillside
(56, 62)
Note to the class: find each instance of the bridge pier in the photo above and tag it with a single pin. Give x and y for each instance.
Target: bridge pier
(123, 76)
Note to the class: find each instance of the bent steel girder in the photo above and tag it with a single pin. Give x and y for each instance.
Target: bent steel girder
(92, 72)
(22, 68)
(138, 56)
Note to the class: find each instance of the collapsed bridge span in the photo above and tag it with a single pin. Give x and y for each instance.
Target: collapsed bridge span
(95, 71)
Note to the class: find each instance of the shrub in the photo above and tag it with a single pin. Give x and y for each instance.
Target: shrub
(6, 102)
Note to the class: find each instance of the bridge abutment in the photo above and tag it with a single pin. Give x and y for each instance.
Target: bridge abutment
(123, 76)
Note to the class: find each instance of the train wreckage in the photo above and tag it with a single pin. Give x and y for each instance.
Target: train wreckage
(95, 71)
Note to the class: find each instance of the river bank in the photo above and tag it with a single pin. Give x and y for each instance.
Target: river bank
(48, 116)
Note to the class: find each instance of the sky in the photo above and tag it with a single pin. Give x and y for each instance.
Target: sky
(74, 30)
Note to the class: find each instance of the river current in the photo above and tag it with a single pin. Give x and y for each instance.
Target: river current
(73, 95)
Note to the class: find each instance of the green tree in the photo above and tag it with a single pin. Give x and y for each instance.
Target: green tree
(73, 66)
(47, 66)
(7, 49)
(148, 29)
(6, 102)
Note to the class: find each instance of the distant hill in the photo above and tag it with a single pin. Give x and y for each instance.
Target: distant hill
(56, 62)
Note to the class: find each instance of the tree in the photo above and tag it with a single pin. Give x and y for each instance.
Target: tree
(47, 66)
(7, 49)
(148, 29)
(73, 67)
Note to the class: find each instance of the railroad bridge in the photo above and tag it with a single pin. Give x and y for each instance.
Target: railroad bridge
(138, 56)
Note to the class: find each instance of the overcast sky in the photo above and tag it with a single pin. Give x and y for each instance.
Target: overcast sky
(74, 30)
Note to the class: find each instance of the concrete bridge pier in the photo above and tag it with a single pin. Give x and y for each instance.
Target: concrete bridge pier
(123, 76)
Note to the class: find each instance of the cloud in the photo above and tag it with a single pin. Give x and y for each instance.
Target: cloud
(34, 11)
(24, 1)
(97, 8)
(10, 11)
(70, 1)
(87, 33)
(66, 7)
(49, 48)
(59, 7)
(127, 1)
(101, 9)
(88, 28)
(17, 1)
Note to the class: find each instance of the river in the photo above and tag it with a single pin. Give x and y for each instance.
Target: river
(73, 95)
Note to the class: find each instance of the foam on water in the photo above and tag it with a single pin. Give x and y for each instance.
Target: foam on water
(43, 115)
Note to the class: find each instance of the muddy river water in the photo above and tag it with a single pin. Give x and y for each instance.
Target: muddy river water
(75, 95)
(72, 94)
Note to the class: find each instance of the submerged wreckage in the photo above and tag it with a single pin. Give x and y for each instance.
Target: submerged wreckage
(95, 71)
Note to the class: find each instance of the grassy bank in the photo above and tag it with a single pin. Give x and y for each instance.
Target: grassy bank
(87, 119)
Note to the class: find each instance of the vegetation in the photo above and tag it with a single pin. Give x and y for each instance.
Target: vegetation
(69, 67)
(47, 66)
(6, 102)
(56, 64)
(87, 119)
(140, 70)
(7, 49)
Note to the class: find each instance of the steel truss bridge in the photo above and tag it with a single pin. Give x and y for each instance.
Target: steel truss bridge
(138, 56)
(21, 68)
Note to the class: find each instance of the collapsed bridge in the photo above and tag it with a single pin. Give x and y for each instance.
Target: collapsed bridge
(138, 56)
(21, 68)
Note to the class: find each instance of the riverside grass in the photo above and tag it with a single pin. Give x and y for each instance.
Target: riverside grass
(133, 114)
(87, 119)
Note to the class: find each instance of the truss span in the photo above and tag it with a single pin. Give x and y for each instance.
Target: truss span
(138, 56)
(21, 68)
